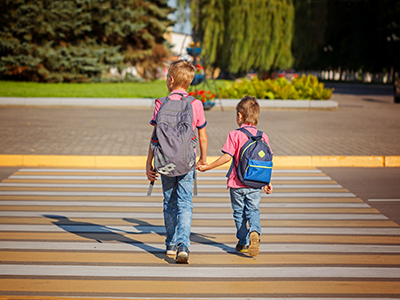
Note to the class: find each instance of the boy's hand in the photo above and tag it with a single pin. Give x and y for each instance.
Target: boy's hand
(268, 188)
(201, 165)
(151, 175)
(201, 162)
(201, 168)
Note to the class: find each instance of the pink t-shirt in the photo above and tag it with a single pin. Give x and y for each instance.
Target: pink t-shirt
(234, 143)
(199, 120)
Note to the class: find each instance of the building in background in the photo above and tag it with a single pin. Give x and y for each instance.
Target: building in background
(180, 35)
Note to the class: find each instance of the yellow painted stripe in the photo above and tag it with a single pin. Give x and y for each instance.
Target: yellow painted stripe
(348, 161)
(198, 259)
(204, 223)
(220, 238)
(392, 161)
(204, 288)
(138, 162)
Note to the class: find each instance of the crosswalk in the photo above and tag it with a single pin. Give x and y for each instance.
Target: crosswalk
(93, 234)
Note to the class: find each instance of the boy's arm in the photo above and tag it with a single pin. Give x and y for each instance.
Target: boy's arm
(219, 162)
(151, 175)
(203, 142)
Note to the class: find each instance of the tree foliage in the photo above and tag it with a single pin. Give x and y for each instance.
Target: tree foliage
(239, 35)
(77, 40)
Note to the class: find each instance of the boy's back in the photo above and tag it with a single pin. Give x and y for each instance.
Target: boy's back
(234, 143)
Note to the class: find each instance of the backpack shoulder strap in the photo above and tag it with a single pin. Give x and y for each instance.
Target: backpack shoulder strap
(162, 99)
(249, 135)
(246, 132)
(190, 99)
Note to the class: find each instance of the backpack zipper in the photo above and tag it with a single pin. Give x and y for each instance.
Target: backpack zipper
(257, 167)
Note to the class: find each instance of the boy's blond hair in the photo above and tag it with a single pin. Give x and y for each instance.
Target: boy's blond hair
(183, 73)
(250, 110)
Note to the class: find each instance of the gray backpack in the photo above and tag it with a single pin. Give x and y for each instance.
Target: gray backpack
(174, 140)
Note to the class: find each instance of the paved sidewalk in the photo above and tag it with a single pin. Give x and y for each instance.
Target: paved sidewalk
(366, 123)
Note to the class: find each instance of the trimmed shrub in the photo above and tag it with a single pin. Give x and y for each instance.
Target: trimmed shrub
(301, 88)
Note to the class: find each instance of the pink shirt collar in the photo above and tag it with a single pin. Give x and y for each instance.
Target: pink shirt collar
(179, 92)
(243, 125)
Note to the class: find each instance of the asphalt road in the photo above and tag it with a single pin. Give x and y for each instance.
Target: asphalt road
(372, 183)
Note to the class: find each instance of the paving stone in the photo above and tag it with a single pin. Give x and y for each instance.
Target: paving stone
(366, 123)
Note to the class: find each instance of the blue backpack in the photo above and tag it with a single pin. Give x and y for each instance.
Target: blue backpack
(255, 161)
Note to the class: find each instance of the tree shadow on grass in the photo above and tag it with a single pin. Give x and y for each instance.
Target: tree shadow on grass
(101, 233)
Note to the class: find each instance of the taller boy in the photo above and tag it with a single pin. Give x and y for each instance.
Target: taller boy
(178, 204)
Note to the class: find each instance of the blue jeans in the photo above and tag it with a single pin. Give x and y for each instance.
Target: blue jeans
(178, 206)
(245, 203)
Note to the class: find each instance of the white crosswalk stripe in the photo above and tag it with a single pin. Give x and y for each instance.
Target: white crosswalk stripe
(320, 241)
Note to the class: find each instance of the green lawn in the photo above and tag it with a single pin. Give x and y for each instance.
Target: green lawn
(151, 89)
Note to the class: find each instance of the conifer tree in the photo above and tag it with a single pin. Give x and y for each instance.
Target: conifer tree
(78, 40)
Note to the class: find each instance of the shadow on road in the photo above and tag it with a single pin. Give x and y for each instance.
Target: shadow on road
(101, 233)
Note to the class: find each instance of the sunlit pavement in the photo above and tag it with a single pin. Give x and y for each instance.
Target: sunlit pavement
(75, 233)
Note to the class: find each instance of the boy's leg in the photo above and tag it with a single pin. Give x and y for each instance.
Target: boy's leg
(238, 205)
(253, 198)
(170, 208)
(185, 207)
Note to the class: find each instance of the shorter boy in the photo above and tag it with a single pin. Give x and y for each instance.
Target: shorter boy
(245, 201)
(177, 204)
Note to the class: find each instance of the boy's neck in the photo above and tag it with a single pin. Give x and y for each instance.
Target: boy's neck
(178, 88)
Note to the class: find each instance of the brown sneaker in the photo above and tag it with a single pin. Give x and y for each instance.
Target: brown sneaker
(254, 247)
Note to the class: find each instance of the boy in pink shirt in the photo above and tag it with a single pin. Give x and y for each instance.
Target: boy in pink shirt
(245, 200)
(177, 190)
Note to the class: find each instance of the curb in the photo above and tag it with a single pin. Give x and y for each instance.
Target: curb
(138, 162)
(149, 102)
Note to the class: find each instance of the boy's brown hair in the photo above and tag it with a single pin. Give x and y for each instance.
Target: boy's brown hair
(183, 73)
(250, 110)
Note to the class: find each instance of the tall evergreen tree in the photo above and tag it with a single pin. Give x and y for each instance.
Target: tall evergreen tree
(242, 34)
(78, 40)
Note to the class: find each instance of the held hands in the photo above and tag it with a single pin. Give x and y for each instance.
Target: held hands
(268, 188)
(201, 168)
(201, 165)
(151, 175)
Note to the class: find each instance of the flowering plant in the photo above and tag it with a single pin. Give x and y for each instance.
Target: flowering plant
(199, 69)
(202, 95)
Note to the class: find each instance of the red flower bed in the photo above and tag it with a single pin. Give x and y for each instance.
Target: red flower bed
(202, 95)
